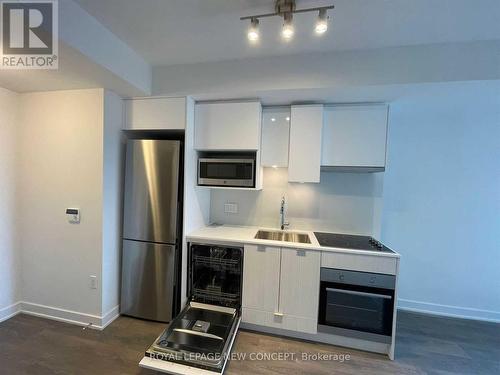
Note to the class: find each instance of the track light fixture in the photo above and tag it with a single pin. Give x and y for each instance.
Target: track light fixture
(286, 9)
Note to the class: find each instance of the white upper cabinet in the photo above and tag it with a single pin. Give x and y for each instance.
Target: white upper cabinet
(304, 159)
(354, 136)
(275, 136)
(228, 126)
(155, 114)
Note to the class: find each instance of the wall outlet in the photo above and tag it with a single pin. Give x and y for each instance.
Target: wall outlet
(93, 282)
(230, 208)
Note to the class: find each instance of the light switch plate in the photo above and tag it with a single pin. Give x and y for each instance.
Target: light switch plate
(93, 282)
(230, 208)
(73, 215)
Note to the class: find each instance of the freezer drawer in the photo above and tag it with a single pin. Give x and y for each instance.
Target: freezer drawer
(148, 280)
(151, 190)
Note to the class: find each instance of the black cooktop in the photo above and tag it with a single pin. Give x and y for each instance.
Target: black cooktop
(349, 241)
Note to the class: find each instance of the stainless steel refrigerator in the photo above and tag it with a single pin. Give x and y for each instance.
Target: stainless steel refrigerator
(152, 229)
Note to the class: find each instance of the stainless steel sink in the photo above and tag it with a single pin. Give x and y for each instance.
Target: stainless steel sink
(277, 235)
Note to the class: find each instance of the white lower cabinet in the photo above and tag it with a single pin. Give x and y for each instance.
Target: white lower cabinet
(261, 277)
(281, 288)
(299, 289)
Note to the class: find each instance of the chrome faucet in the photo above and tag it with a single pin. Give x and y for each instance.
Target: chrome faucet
(283, 223)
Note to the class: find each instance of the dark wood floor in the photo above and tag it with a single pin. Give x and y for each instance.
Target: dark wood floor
(425, 345)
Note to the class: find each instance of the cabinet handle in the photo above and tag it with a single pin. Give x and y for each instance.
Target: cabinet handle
(278, 314)
(301, 253)
(261, 248)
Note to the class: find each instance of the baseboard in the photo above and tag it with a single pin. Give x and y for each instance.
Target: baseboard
(71, 317)
(110, 317)
(449, 311)
(62, 315)
(10, 311)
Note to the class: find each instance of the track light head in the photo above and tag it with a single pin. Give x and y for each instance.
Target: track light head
(253, 30)
(287, 31)
(322, 22)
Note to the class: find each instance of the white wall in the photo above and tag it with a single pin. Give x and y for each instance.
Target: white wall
(342, 202)
(196, 200)
(340, 69)
(442, 198)
(113, 164)
(61, 165)
(10, 265)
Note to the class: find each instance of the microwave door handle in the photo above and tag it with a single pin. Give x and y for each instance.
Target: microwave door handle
(222, 160)
(356, 293)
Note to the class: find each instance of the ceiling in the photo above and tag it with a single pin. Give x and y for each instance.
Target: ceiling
(168, 32)
(75, 71)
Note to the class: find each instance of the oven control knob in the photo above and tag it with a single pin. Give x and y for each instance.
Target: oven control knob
(341, 277)
(372, 279)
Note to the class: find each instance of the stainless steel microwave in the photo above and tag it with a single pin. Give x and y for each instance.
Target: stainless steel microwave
(230, 172)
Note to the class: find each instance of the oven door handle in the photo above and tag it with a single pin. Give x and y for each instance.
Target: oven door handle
(355, 292)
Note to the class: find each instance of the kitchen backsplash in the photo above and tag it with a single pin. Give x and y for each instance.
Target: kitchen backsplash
(342, 202)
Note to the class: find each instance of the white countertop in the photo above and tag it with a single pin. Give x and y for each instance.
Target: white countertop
(245, 235)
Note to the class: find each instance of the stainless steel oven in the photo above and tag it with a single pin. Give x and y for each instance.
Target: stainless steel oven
(226, 171)
(356, 304)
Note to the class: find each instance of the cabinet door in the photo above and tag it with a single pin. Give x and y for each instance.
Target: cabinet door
(275, 136)
(305, 143)
(261, 270)
(354, 136)
(155, 113)
(299, 289)
(227, 126)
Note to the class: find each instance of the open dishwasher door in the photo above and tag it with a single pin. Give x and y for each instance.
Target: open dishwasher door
(200, 338)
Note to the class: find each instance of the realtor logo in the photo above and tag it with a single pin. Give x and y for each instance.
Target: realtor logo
(29, 34)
